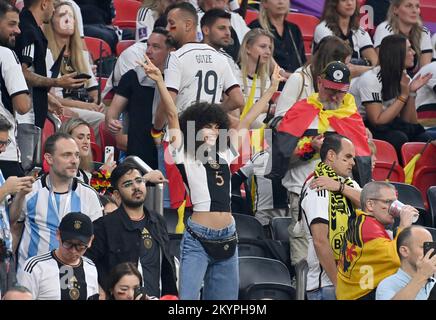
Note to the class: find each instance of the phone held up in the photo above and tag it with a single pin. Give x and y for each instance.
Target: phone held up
(138, 291)
(108, 151)
(428, 246)
(34, 172)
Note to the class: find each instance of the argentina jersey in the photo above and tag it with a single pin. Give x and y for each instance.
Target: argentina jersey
(43, 210)
(5, 233)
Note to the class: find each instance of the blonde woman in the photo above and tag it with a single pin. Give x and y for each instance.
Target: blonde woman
(404, 18)
(98, 179)
(147, 15)
(257, 44)
(63, 31)
(288, 41)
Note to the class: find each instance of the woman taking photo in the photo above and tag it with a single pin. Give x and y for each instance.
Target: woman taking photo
(404, 18)
(98, 179)
(386, 95)
(124, 283)
(209, 244)
(341, 18)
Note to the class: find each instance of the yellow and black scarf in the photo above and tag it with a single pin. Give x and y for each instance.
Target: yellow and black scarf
(340, 209)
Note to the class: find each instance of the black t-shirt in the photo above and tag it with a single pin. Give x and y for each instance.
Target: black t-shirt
(96, 11)
(31, 49)
(140, 113)
(149, 257)
(284, 51)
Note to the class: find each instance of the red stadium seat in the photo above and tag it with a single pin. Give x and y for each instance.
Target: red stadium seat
(307, 25)
(386, 156)
(123, 45)
(125, 13)
(93, 45)
(424, 175)
(49, 130)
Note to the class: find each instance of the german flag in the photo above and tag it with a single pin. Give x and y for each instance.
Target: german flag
(345, 121)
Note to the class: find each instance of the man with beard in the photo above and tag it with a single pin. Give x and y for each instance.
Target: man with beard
(53, 195)
(134, 234)
(14, 94)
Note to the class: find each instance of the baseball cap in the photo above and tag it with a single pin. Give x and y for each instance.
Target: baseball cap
(76, 226)
(336, 76)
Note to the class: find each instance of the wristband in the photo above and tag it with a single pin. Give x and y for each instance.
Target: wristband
(412, 94)
(402, 99)
(156, 134)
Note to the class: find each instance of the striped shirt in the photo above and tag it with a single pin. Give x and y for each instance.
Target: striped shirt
(49, 279)
(43, 210)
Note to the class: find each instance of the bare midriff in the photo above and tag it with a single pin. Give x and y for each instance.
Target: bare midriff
(212, 219)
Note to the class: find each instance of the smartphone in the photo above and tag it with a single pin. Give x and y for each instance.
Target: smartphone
(34, 172)
(428, 246)
(82, 76)
(138, 291)
(108, 150)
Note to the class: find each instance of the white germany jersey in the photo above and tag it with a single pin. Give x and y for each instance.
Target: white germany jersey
(12, 83)
(359, 39)
(197, 72)
(145, 20)
(43, 210)
(384, 29)
(49, 279)
(315, 207)
(426, 94)
(368, 89)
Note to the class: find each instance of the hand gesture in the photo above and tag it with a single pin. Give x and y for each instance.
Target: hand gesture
(109, 165)
(155, 176)
(54, 106)
(419, 81)
(15, 184)
(151, 70)
(115, 126)
(276, 78)
(67, 81)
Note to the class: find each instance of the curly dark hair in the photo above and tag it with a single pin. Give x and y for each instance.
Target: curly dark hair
(202, 114)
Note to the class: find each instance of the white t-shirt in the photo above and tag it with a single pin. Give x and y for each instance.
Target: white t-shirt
(433, 45)
(209, 184)
(426, 94)
(315, 205)
(12, 83)
(197, 72)
(368, 89)
(44, 276)
(384, 29)
(359, 39)
(145, 20)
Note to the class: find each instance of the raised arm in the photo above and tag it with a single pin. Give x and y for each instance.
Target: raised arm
(167, 104)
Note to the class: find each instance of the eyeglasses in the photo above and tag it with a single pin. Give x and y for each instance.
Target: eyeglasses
(127, 184)
(387, 202)
(77, 246)
(5, 143)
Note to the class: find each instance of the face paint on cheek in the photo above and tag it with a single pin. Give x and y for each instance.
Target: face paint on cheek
(66, 23)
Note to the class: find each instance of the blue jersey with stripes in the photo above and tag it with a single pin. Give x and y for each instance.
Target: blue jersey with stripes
(43, 210)
(5, 229)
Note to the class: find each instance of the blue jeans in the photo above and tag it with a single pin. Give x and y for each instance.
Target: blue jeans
(221, 278)
(324, 293)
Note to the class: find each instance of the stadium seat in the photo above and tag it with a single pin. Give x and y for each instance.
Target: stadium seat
(125, 13)
(248, 226)
(301, 269)
(307, 25)
(258, 275)
(384, 165)
(410, 195)
(425, 169)
(123, 45)
(431, 194)
(252, 248)
(93, 45)
(175, 240)
(279, 228)
(250, 16)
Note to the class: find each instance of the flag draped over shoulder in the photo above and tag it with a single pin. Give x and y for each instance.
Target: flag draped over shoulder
(346, 121)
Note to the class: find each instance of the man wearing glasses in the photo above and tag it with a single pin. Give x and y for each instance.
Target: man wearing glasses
(64, 274)
(368, 253)
(134, 234)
